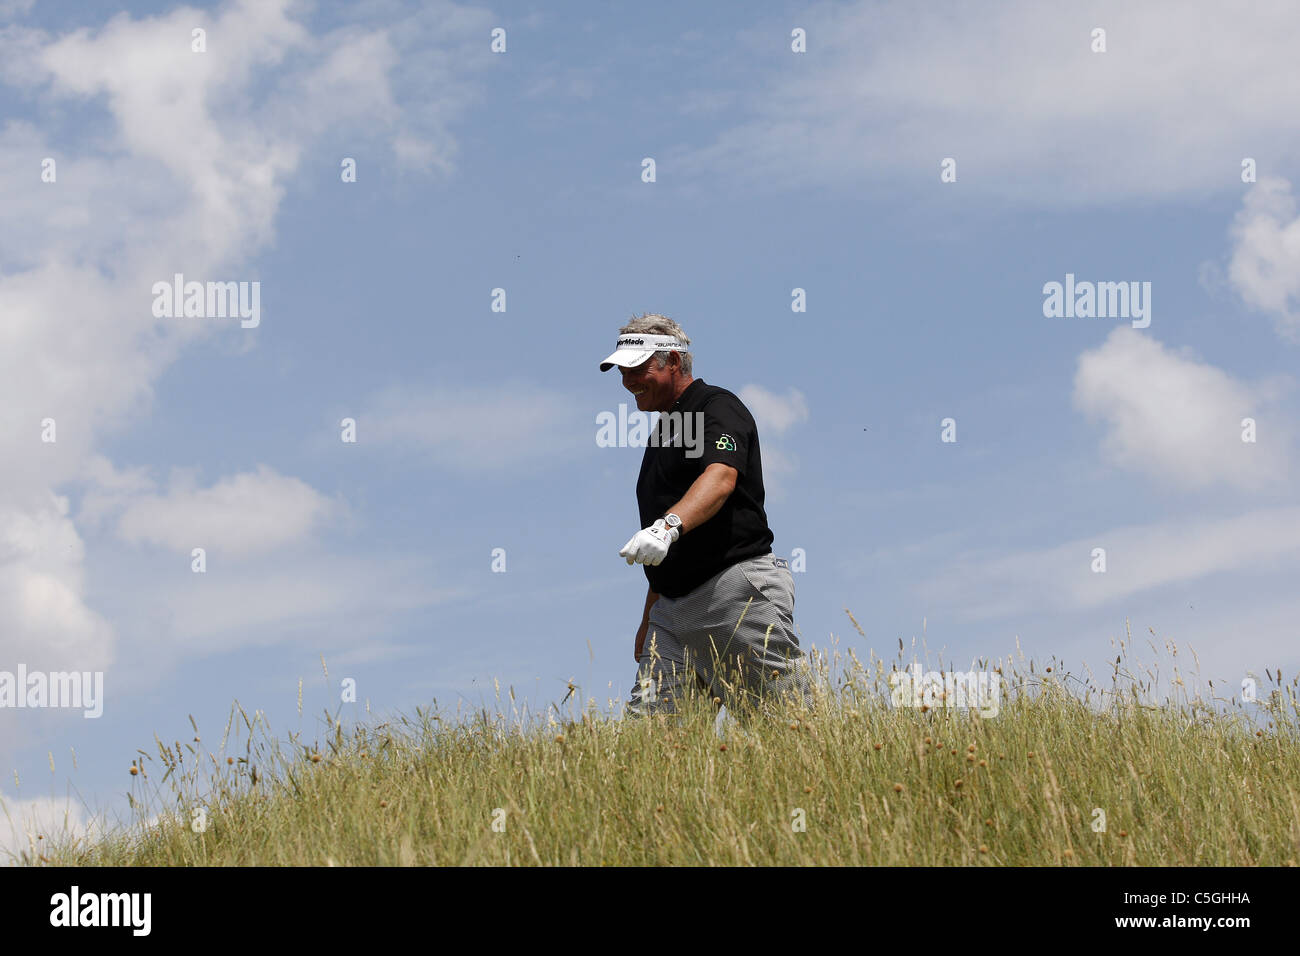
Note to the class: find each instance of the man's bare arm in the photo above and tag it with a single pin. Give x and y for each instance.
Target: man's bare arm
(703, 499)
(650, 598)
(706, 496)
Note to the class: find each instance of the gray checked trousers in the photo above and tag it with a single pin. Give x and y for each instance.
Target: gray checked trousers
(732, 638)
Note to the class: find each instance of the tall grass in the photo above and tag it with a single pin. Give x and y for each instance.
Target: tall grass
(1188, 778)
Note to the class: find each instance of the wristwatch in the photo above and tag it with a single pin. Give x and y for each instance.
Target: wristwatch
(674, 522)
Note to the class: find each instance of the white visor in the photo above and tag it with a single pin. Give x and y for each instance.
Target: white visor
(635, 347)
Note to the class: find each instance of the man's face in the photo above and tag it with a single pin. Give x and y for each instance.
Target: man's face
(652, 386)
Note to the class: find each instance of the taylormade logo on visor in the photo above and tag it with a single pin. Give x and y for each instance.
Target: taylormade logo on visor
(660, 343)
(630, 350)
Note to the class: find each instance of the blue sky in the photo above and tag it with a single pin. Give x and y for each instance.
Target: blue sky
(521, 170)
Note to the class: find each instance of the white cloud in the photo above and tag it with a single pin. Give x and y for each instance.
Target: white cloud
(1265, 264)
(177, 162)
(778, 468)
(47, 625)
(772, 412)
(51, 820)
(1178, 420)
(109, 489)
(242, 514)
(1139, 558)
(775, 415)
(1013, 92)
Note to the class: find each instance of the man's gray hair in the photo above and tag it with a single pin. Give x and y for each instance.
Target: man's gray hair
(654, 324)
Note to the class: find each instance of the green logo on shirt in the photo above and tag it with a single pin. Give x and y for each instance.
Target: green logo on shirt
(725, 443)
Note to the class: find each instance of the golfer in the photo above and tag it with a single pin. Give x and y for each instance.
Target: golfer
(719, 611)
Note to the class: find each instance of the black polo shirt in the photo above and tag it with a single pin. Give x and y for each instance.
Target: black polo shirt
(739, 530)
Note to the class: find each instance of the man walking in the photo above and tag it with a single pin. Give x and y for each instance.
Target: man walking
(719, 611)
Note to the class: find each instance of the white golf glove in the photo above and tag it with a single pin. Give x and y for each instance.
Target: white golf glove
(650, 545)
